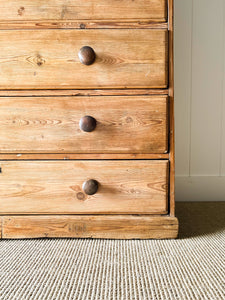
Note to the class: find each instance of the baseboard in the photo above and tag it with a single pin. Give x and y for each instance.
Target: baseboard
(200, 188)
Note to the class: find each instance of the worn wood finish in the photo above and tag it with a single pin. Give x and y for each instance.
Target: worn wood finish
(171, 97)
(83, 24)
(125, 187)
(127, 124)
(39, 10)
(45, 90)
(83, 92)
(48, 59)
(67, 156)
(113, 227)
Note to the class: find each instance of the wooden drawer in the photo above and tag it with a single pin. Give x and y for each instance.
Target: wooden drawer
(126, 124)
(48, 59)
(39, 10)
(56, 187)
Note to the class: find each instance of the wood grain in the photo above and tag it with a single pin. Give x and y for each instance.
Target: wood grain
(38, 10)
(171, 99)
(40, 73)
(125, 187)
(48, 59)
(114, 227)
(127, 124)
(83, 24)
(83, 92)
(68, 156)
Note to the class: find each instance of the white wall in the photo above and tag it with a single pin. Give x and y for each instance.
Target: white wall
(200, 99)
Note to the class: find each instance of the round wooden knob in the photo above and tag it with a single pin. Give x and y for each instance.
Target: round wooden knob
(90, 187)
(87, 55)
(87, 123)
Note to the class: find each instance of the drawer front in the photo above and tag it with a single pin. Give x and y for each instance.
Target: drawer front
(58, 187)
(48, 59)
(30, 10)
(126, 124)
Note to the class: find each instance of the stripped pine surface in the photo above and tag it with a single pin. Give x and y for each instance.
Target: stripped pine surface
(41, 10)
(99, 226)
(127, 124)
(48, 59)
(130, 186)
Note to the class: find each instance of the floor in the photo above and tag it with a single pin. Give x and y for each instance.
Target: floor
(191, 267)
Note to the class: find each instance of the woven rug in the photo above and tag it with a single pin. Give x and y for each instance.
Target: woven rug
(191, 267)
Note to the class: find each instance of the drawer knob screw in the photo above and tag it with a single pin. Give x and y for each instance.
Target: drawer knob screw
(90, 187)
(87, 123)
(87, 55)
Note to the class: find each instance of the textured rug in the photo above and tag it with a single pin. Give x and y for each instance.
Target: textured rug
(191, 267)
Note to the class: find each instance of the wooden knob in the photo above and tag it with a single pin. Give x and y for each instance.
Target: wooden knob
(87, 55)
(87, 123)
(90, 187)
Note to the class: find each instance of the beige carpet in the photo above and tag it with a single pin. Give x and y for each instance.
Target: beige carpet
(191, 267)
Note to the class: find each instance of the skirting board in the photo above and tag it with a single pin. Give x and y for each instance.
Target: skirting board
(200, 188)
(92, 226)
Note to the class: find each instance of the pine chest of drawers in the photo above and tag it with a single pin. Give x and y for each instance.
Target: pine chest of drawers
(86, 119)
